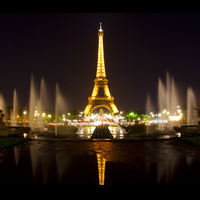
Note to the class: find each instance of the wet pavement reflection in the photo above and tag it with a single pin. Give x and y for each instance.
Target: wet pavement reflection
(152, 162)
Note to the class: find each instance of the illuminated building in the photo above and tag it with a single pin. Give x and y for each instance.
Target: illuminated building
(96, 101)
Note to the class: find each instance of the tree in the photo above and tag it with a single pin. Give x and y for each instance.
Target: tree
(131, 115)
(74, 113)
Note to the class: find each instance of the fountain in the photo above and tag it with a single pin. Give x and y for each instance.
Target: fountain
(32, 104)
(56, 109)
(2, 104)
(167, 99)
(14, 111)
(190, 129)
(60, 106)
(36, 115)
(148, 110)
(161, 101)
(190, 102)
(40, 104)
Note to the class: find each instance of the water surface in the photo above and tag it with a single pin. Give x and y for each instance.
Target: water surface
(155, 162)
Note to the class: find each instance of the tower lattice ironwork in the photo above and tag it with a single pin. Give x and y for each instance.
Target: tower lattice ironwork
(106, 100)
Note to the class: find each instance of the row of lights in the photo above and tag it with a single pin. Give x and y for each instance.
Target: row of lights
(171, 117)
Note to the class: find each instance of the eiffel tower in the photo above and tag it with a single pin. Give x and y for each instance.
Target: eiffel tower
(106, 100)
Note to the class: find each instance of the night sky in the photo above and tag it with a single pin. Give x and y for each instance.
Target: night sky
(62, 47)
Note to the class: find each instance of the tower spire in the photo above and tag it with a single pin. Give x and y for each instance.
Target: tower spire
(100, 27)
(101, 73)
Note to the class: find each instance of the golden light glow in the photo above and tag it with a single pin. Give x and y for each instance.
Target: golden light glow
(100, 63)
(100, 82)
(101, 168)
(101, 72)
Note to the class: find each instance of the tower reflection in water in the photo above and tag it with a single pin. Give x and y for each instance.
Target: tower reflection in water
(101, 168)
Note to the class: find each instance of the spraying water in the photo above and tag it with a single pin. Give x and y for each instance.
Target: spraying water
(60, 106)
(190, 102)
(2, 105)
(14, 111)
(40, 104)
(161, 101)
(167, 99)
(32, 104)
(148, 109)
(56, 109)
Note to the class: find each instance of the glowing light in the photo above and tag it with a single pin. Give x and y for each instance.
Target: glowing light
(97, 123)
(175, 118)
(178, 134)
(101, 72)
(108, 116)
(25, 135)
(92, 128)
(100, 27)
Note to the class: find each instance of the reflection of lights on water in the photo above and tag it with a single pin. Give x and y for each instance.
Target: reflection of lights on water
(101, 161)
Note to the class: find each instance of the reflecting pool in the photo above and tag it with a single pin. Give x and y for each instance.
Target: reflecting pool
(152, 162)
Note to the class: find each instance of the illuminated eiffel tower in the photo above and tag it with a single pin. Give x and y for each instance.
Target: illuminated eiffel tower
(106, 100)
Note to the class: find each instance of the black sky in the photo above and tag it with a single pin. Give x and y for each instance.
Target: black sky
(62, 47)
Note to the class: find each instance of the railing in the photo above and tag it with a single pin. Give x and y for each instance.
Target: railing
(101, 98)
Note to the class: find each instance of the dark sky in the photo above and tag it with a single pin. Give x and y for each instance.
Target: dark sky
(62, 47)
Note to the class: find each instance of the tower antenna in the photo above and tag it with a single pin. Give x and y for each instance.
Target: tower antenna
(100, 27)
